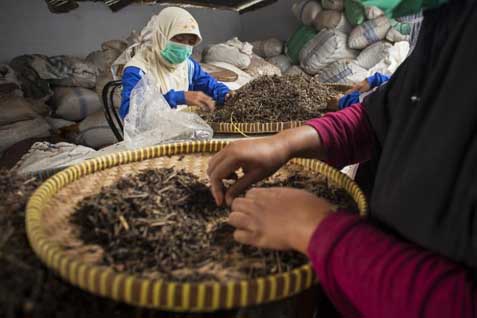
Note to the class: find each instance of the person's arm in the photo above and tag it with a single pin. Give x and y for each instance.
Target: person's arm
(377, 79)
(368, 273)
(346, 136)
(339, 138)
(131, 76)
(348, 100)
(202, 81)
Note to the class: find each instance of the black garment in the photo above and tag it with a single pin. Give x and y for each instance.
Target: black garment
(425, 120)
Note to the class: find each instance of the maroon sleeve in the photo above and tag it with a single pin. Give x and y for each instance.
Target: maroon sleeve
(346, 135)
(370, 274)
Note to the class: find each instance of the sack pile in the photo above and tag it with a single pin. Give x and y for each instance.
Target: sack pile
(343, 41)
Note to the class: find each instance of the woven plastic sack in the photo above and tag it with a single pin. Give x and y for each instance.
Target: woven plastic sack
(75, 103)
(368, 33)
(283, 62)
(333, 4)
(151, 121)
(344, 71)
(395, 55)
(332, 19)
(9, 83)
(268, 48)
(14, 109)
(401, 27)
(326, 47)
(394, 36)
(298, 40)
(260, 67)
(233, 52)
(354, 12)
(296, 70)
(43, 156)
(103, 59)
(306, 10)
(373, 12)
(373, 54)
(26, 129)
(95, 132)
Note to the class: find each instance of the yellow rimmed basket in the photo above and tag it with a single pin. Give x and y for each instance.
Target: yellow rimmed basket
(267, 128)
(50, 206)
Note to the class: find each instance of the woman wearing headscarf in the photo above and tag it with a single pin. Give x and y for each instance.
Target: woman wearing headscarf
(415, 255)
(171, 36)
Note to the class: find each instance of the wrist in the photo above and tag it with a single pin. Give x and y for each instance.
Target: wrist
(301, 238)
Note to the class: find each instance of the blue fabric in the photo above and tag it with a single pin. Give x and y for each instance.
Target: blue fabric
(348, 100)
(202, 81)
(377, 79)
(198, 81)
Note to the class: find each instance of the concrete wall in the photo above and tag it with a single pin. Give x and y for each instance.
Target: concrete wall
(26, 26)
(276, 20)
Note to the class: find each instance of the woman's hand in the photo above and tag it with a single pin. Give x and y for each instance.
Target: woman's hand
(278, 218)
(199, 99)
(361, 87)
(259, 158)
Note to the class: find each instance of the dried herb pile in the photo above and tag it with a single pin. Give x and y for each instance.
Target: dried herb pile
(163, 223)
(27, 288)
(275, 99)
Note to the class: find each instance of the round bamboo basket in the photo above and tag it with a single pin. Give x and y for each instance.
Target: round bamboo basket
(265, 128)
(53, 238)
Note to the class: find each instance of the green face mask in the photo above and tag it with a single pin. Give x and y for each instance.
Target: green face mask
(176, 53)
(399, 8)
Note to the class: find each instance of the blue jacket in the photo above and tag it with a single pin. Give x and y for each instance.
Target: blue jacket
(376, 80)
(198, 81)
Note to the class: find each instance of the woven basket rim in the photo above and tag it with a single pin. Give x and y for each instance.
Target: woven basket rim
(245, 128)
(85, 275)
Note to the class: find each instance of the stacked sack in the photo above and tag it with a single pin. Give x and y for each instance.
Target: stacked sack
(342, 41)
(272, 51)
(21, 117)
(84, 106)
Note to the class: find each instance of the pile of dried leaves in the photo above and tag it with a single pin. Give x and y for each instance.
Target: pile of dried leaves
(275, 99)
(27, 288)
(163, 223)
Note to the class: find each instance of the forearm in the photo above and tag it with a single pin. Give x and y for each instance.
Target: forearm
(301, 142)
(369, 273)
(346, 136)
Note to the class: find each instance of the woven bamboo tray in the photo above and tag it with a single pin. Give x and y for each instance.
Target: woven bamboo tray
(53, 239)
(265, 128)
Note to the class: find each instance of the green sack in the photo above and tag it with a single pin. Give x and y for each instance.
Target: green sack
(354, 12)
(298, 40)
(400, 8)
(403, 28)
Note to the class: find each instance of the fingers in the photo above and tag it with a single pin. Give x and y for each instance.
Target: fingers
(206, 102)
(218, 171)
(246, 237)
(242, 184)
(241, 221)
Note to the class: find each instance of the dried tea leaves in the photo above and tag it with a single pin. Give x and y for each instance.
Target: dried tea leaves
(28, 288)
(163, 223)
(275, 99)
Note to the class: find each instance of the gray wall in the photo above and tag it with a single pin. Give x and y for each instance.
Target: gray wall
(276, 20)
(26, 26)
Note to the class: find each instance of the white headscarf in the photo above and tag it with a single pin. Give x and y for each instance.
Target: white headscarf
(153, 39)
